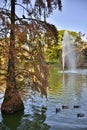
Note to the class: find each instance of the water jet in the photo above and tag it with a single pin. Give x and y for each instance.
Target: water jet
(68, 52)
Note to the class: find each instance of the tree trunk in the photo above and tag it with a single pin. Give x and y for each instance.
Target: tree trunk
(12, 101)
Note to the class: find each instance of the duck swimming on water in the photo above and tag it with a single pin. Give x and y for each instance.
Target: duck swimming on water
(64, 107)
(58, 110)
(80, 115)
(76, 106)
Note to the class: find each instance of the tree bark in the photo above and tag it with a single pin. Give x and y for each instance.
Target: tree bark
(12, 101)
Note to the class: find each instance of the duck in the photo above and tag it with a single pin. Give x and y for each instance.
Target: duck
(80, 115)
(64, 107)
(76, 106)
(58, 110)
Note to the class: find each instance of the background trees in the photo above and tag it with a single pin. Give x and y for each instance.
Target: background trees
(53, 51)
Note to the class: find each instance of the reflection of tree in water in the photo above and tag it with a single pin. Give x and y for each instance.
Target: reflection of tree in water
(18, 121)
(21, 121)
(3, 127)
(55, 81)
(11, 122)
(36, 122)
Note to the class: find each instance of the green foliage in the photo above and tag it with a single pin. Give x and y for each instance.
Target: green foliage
(53, 52)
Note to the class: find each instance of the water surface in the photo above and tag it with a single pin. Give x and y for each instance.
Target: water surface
(68, 89)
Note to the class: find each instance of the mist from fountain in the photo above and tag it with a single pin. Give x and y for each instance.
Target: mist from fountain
(68, 52)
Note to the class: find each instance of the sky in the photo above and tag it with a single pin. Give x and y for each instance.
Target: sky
(73, 16)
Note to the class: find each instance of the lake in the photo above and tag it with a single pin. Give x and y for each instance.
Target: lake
(65, 108)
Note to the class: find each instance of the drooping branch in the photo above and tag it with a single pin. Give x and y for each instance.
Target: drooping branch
(31, 31)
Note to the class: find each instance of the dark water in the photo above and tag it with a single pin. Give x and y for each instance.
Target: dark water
(65, 89)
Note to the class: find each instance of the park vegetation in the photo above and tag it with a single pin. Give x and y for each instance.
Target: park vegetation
(27, 44)
(53, 51)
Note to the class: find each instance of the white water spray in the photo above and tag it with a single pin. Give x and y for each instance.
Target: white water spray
(68, 52)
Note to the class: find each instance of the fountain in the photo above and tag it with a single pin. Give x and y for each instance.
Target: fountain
(70, 56)
(68, 52)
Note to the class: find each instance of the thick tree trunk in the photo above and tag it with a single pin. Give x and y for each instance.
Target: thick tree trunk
(12, 101)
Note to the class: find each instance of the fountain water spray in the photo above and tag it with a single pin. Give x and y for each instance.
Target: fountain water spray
(68, 52)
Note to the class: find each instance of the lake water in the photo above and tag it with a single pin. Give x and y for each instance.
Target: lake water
(65, 89)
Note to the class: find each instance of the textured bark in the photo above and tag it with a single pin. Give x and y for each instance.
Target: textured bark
(12, 101)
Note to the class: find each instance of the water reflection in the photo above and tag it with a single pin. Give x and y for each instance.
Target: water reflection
(72, 85)
(23, 121)
(11, 122)
(74, 93)
(35, 121)
(71, 89)
(55, 82)
(40, 113)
